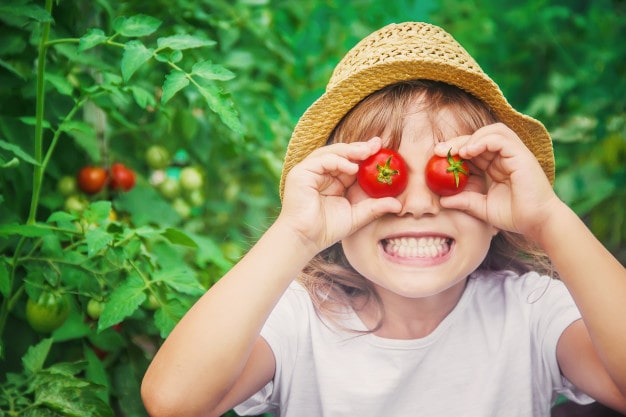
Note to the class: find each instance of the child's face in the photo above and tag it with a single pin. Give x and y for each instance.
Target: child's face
(426, 250)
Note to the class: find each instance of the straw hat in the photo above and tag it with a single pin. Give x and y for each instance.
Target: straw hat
(401, 52)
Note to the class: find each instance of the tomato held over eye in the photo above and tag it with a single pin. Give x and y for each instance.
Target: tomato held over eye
(122, 178)
(447, 175)
(383, 174)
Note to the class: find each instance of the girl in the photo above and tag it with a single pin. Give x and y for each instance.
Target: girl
(409, 305)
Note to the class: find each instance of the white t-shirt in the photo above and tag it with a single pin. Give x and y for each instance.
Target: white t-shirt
(493, 355)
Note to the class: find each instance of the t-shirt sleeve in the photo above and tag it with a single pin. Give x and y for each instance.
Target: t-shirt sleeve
(281, 332)
(554, 311)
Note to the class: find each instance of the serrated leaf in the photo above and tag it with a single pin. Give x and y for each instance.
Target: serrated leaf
(174, 82)
(136, 26)
(179, 237)
(181, 280)
(123, 302)
(36, 355)
(97, 239)
(142, 97)
(222, 106)
(181, 42)
(135, 55)
(168, 316)
(97, 211)
(74, 396)
(92, 38)
(211, 71)
(17, 151)
(30, 11)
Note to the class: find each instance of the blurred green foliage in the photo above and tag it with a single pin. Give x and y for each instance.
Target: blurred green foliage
(220, 84)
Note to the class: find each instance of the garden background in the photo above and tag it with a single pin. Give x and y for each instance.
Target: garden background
(197, 98)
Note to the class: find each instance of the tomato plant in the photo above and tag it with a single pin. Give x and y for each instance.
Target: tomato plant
(122, 178)
(383, 174)
(191, 178)
(447, 175)
(91, 179)
(48, 312)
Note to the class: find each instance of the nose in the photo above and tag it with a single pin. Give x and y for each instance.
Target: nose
(417, 199)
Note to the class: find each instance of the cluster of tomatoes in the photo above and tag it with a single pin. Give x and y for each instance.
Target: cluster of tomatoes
(385, 174)
(91, 180)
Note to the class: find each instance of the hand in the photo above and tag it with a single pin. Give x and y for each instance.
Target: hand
(315, 204)
(519, 197)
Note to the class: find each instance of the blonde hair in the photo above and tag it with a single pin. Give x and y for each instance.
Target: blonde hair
(329, 278)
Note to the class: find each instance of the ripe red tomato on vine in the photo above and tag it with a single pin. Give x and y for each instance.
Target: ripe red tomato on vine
(383, 174)
(447, 175)
(122, 178)
(91, 179)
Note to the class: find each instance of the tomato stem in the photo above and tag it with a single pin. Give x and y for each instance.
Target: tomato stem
(385, 173)
(456, 167)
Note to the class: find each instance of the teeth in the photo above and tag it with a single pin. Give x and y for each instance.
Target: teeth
(413, 247)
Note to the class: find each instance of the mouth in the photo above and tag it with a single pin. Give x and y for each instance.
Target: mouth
(423, 247)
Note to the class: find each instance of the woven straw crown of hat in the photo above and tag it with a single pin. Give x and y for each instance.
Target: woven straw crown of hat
(402, 52)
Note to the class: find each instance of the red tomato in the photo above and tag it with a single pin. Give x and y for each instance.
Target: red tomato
(91, 179)
(122, 178)
(447, 175)
(383, 174)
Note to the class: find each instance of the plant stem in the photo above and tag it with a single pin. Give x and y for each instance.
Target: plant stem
(39, 118)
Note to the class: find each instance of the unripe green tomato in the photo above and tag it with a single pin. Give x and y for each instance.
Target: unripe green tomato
(191, 179)
(67, 186)
(169, 188)
(75, 203)
(48, 312)
(151, 302)
(181, 207)
(157, 157)
(94, 308)
(195, 198)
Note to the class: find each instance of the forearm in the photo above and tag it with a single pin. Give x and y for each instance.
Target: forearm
(597, 282)
(207, 350)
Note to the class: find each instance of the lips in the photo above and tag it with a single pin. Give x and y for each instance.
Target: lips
(417, 247)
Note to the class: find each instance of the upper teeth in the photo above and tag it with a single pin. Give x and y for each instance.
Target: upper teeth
(417, 247)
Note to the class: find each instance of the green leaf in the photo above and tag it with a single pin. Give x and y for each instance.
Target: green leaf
(136, 26)
(181, 280)
(97, 239)
(123, 302)
(181, 42)
(17, 151)
(135, 55)
(142, 97)
(179, 237)
(221, 105)
(168, 315)
(174, 82)
(5, 283)
(98, 211)
(60, 83)
(210, 71)
(92, 38)
(31, 11)
(36, 355)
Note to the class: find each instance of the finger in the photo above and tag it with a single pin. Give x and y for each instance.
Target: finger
(354, 151)
(368, 210)
(472, 203)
